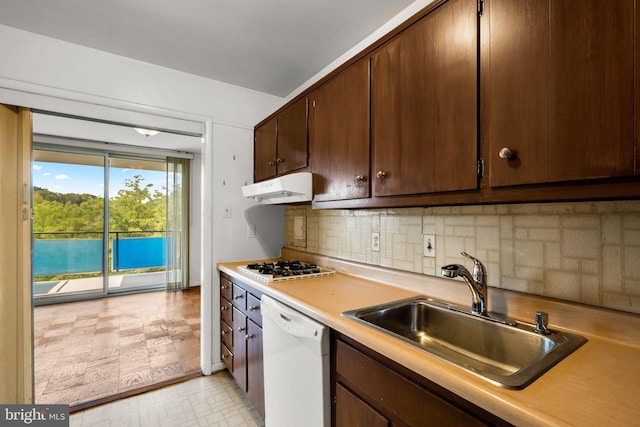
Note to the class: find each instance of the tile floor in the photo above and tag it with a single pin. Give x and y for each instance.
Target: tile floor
(214, 401)
(90, 350)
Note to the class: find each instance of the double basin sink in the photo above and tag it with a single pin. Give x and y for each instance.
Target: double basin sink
(508, 354)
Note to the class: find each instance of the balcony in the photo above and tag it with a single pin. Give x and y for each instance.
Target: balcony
(72, 261)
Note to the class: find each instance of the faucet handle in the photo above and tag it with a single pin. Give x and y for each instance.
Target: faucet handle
(478, 268)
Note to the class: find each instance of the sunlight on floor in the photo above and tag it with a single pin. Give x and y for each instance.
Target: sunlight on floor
(89, 350)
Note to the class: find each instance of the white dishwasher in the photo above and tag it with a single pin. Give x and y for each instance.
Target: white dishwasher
(296, 367)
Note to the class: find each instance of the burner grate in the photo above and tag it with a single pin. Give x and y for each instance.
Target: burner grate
(284, 270)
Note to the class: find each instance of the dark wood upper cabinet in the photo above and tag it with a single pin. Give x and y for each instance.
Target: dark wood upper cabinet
(559, 90)
(473, 102)
(280, 144)
(424, 105)
(339, 135)
(264, 148)
(293, 151)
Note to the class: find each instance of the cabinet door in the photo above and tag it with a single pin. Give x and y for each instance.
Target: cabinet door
(292, 147)
(559, 91)
(339, 135)
(240, 348)
(591, 104)
(351, 411)
(255, 367)
(264, 149)
(424, 105)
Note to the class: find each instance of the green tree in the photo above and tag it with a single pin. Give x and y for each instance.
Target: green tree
(137, 207)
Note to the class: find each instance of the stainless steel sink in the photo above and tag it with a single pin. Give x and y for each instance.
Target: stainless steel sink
(511, 356)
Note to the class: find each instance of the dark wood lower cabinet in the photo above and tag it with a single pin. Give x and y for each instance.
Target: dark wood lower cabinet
(371, 390)
(353, 411)
(241, 337)
(255, 366)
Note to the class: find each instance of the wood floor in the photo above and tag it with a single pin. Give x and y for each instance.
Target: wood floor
(87, 351)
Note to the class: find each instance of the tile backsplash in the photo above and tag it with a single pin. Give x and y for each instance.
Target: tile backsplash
(587, 252)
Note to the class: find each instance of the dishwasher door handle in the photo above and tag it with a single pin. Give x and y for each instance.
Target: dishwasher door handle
(285, 318)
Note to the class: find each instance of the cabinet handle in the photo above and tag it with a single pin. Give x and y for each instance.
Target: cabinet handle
(223, 287)
(358, 178)
(381, 174)
(254, 307)
(248, 337)
(238, 296)
(272, 163)
(224, 308)
(242, 328)
(279, 160)
(506, 153)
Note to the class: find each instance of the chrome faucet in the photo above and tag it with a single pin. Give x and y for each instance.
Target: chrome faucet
(477, 282)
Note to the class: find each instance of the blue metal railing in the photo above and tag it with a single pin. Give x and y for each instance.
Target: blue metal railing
(70, 255)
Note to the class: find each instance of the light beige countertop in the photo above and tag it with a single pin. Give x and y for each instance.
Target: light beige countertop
(598, 384)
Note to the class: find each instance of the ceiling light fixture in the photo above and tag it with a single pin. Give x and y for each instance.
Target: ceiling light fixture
(146, 132)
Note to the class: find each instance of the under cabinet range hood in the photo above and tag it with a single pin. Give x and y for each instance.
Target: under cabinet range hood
(291, 188)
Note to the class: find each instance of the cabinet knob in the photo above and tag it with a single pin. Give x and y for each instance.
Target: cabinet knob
(223, 333)
(242, 328)
(224, 308)
(358, 178)
(224, 356)
(280, 160)
(381, 174)
(223, 287)
(254, 307)
(506, 153)
(240, 296)
(248, 337)
(272, 163)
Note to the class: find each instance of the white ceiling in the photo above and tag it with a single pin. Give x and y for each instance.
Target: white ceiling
(272, 46)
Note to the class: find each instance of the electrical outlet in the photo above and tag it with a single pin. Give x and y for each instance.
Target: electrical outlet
(375, 242)
(429, 244)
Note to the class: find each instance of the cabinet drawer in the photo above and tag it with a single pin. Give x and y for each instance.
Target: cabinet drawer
(226, 310)
(226, 334)
(226, 288)
(253, 309)
(227, 357)
(397, 395)
(352, 411)
(239, 298)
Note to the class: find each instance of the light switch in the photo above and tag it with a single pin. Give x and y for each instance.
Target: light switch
(429, 243)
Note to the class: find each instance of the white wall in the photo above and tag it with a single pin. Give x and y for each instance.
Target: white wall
(34, 65)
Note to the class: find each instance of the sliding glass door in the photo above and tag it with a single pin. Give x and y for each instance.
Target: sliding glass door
(68, 223)
(100, 224)
(137, 223)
